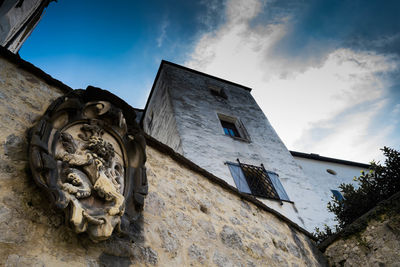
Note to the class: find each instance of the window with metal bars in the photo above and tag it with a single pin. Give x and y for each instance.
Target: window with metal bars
(257, 181)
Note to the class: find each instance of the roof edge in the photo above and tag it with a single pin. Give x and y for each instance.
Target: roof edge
(150, 94)
(204, 74)
(327, 159)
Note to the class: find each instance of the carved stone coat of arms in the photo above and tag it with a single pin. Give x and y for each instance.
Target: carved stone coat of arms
(90, 158)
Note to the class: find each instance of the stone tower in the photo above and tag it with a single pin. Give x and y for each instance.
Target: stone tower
(218, 125)
(17, 21)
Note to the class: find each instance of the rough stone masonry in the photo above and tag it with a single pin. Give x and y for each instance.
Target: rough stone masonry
(188, 219)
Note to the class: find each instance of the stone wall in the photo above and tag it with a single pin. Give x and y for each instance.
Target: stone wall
(372, 240)
(160, 122)
(188, 219)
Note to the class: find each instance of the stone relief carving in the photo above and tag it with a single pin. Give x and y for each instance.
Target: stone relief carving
(90, 161)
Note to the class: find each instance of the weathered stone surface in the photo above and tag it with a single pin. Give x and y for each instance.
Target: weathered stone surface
(221, 260)
(5, 167)
(150, 256)
(15, 147)
(208, 229)
(270, 229)
(244, 214)
(154, 204)
(12, 231)
(146, 255)
(230, 238)
(245, 205)
(256, 232)
(281, 261)
(14, 260)
(183, 221)
(174, 229)
(234, 220)
(197, 253)
(376, 245)
(294, 250)
(106, 260)
(256, 251)
(170, 241)
(205, 205)
(281, 246)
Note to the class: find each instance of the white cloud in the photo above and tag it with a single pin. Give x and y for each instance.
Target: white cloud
(210, 17)
(348, 136)
(298, 96)
(238, 11)
(163, 34)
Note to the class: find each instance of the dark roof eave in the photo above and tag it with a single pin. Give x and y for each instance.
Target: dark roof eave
(205, 74)
(327, 159)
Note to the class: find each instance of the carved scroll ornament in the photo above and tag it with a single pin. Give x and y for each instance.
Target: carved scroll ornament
(83, 154)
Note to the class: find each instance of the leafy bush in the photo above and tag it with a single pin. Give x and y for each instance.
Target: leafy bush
(381, 182)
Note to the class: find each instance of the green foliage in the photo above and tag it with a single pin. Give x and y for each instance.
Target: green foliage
(321, 235)
(381, 182)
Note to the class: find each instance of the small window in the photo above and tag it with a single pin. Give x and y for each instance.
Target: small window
(230, 129)
(233, 127)
(337, 195)
(217, 91)
(257, 181)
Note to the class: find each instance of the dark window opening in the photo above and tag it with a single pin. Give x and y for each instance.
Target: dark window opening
(230, 129)
(233, 127)
(217, 91)
(257, 181)
(331, 171)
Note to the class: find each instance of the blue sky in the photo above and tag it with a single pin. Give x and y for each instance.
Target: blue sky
(326, 73)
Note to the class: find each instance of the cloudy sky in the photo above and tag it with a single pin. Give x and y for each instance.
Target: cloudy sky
(326, 73)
